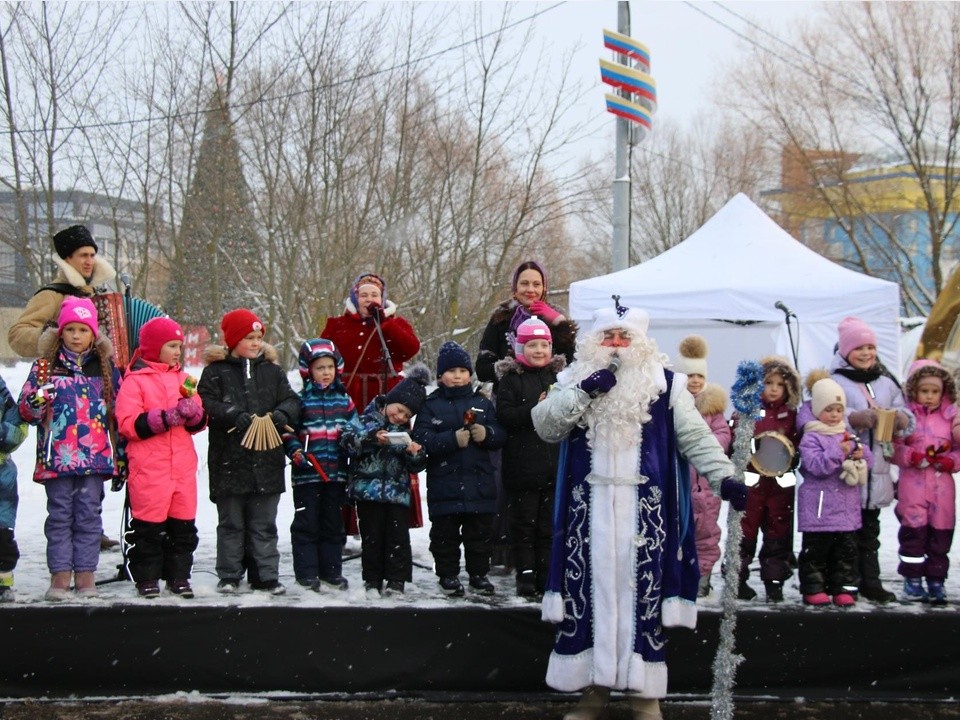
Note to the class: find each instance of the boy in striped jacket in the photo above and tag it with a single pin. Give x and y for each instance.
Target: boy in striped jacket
(319, 468)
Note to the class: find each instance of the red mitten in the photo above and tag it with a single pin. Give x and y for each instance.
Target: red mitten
(945, 464)
(917, 458)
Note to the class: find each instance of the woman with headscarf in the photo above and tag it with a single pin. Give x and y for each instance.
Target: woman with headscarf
(369, 326)
(529, 291)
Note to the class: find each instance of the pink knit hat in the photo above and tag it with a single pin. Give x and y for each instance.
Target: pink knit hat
(155, 334)
(854, 332)
(78, 310)
(532, 328)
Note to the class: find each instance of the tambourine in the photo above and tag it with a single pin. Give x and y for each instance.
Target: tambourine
(773, 453)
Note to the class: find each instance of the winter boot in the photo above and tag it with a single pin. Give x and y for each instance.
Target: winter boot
(372, 590)
(226, 586)
(816, 599)
(394, 588)
(482, 585)
(181, 588)
(913, 590)
(745, 592)
(645, 708)
(937, 593)
(59, 587)
(107, 543)
(311, 584)
(703, 587)
(86, 584)
(6, 587)
(774, 591)
(526, 584)
(451, 587)
(335, 583)
(148, 589)
(592, 705)
(844, 600)
(870, 586)
(877, 593)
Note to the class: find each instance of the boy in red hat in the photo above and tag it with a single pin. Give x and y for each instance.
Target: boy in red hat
(243, 379)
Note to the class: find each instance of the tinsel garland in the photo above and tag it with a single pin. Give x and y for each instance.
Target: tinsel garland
(745, 396)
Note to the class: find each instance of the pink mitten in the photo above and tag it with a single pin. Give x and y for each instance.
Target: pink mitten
(547, 313)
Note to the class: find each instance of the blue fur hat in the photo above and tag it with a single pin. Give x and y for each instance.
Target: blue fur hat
(452, 355)
(318, 348)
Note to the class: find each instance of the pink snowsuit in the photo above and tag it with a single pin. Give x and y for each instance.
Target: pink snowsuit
(926, 497)
(711, 402)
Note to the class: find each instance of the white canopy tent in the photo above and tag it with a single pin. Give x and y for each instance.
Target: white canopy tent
(724, 282)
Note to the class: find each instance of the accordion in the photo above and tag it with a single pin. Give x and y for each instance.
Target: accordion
(121, 318)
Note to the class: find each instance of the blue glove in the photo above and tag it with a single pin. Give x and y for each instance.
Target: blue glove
(600, 382)
(734, 492)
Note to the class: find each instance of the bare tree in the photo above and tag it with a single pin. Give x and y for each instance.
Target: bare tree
(872, 90)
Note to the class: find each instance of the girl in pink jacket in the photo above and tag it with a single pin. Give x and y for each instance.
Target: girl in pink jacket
(711, 401)
(158, 411)
(926, 496)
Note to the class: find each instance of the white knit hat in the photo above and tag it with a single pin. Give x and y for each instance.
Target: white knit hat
(824, 393)
(692, 359)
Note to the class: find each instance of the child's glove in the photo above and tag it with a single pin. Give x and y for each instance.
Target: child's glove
(863, 419)
(549, 315)
(600, 382)
(734, 492)
(190, 411)
(944, 464)
(478, 433)
(243, 421)
(280, 419)
(120, 479)
(463, 437)
(900, 421)
(300, 460)
(918, 459)
(172, 416)
(41, 397)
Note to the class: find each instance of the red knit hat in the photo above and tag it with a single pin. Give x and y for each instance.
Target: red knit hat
(237, 324)
(155, 334)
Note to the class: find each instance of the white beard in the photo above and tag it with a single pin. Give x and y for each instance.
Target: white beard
(614, 420)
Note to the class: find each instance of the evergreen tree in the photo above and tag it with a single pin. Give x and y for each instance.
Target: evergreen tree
(215, 259)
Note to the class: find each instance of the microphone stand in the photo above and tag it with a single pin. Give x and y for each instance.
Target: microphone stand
(793, 343)
(388, 369)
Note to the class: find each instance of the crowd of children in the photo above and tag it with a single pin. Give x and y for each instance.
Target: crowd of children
(97, 425)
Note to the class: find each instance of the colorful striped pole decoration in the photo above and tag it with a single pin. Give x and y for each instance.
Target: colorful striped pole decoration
(637, 100)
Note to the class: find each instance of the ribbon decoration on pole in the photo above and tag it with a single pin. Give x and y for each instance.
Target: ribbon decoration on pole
(637, 100)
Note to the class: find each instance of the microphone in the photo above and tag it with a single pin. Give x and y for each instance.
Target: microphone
(783, 308)
(125, 280)
(614, 364)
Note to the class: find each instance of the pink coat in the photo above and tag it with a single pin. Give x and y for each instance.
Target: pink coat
(926, 496)
(162, 467)
(711, 402)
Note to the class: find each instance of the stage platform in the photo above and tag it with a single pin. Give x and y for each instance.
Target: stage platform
(136, 650)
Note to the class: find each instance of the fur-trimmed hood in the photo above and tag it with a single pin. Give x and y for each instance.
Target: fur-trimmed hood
(103, 273)
(791, 378)
(930, 370)
(510, 365)
(711, 400)
(217, 353)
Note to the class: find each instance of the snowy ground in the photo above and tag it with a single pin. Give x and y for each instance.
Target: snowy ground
(31, 577)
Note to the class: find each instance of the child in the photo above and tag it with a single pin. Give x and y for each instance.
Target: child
(157, 414)
(240, 381)
(711, 401)
(13, 431)
(769, 504)
(380, 482)
(69, 395)
(317, 533)
(926, 496)
(835, 467)
(529, 463)
(868, 385)
(458, 427)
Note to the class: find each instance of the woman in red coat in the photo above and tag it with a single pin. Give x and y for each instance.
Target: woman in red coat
(365, 371)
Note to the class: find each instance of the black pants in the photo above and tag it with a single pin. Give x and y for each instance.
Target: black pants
(828, 563)
(446, 534)
(161, 550)
(316, 533)
(385, 542)
(531, 530)
(9, 552)
(868, 546)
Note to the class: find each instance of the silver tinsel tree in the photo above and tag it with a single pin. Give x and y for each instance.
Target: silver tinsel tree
(745, 396)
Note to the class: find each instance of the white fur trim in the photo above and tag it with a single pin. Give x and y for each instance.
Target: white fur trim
(569, 673)
(679, 612)
(635, 320)
(551, 607)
